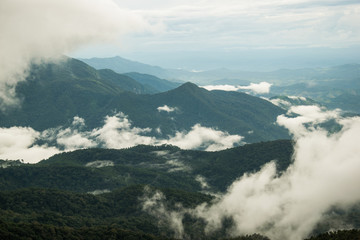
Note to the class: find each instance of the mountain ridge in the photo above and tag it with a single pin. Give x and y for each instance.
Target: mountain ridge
(55, 94)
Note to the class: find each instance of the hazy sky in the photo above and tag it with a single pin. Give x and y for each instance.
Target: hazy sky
(240, 33)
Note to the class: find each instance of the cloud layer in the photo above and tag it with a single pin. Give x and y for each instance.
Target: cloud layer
(117, 132)
(260, 88)
(37, 30)
(323, 175)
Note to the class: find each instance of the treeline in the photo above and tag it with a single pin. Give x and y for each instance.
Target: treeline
(26, 231)
(121, 208)
(173, 168)
(353, 234)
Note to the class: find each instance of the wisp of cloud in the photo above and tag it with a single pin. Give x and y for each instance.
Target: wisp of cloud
(259, 88)
(43, 30)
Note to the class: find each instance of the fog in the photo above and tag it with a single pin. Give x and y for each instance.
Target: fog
(289, 205)
(33, 31)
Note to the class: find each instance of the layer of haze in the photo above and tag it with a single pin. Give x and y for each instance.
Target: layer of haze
(38, 30)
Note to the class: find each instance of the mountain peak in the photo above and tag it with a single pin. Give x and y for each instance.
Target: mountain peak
(189, 85)
(190, 88)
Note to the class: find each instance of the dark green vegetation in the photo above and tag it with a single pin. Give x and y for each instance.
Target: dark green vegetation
(9, 163)
(20, 231)
(51, 198)
(353, 234)
(55, 93)
(100, 193)
(163, 166)
(60, 212)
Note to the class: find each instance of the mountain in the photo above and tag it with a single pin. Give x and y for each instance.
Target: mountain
(336, 94)
(122, 65)
(286, 102)
(101, 190)
(152, 82)
(343, 75)
(234, 112)
(160, 166)
(104, 193)
(55, 93)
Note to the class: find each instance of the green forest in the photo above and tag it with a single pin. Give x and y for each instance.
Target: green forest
(72, 196)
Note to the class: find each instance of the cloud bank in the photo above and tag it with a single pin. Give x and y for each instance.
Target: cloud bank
(323, 175)
(204, 138)
(260, 88)
(289, 206)
(117, 132)
(166, 108)
(43, 30)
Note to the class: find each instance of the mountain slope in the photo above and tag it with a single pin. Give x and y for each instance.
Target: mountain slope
(160, 166)
(152, 82)
(121, 65)
(55, 93)
(244, 113)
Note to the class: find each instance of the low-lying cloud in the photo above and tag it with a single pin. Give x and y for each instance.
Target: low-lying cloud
(224, 87)
(259, 88)
(323, 175)
(19, 143)
(117, 132)
(166, 108)
(33, 31)
(204, 138)
(288, 101)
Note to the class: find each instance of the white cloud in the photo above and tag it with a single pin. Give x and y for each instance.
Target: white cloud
(202, 181)
(221, 87)
(263, 87)
(307, 114)
(117, 132)
(166, 108)
(153, 203)
(37, 30)
(280, 102)
(19, 143)
(297, 98)
(204, 138)
(228, 25)
(323, 175)
(289, 206)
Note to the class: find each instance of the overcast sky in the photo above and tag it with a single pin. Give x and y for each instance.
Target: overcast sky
(240, 33)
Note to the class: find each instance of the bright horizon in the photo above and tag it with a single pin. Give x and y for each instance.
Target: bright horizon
(244, 35)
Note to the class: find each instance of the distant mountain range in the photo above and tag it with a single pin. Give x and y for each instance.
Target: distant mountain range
(54, 93)
(330, 75)
(334, 87)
